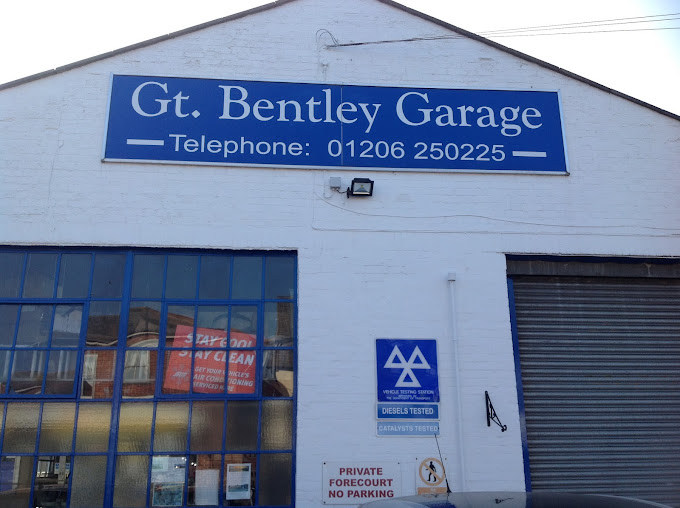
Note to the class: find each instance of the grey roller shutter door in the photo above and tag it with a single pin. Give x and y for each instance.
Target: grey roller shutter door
(600, 371)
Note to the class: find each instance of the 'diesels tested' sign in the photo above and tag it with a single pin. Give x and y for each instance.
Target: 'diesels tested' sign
(258, 123)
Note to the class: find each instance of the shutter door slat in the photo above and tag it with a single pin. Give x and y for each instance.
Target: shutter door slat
(600, 365)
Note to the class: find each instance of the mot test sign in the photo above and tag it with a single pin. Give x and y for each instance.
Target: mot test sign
(356, 483)
(281, 124)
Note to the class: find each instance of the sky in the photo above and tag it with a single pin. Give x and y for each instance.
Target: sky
(639, 56)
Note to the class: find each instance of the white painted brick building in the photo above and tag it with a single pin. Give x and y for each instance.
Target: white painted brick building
(368, 268)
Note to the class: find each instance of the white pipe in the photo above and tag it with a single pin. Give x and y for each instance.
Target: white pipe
(459, 477)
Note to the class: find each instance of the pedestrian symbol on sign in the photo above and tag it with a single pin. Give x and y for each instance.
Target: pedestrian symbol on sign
(430, 476)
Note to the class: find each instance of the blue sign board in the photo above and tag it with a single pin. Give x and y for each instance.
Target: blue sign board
(402, 411)
(410, 428)
(228, 122)
(407, 370)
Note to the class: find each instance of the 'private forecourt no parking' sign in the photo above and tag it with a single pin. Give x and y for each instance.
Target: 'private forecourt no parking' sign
(281, 124)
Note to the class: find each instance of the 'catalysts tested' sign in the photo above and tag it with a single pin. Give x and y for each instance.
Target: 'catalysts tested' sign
(258, 123)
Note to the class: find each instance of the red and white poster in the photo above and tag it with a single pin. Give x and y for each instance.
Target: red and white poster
(209, 365)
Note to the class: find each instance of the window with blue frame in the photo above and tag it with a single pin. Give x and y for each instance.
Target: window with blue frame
(147, 377)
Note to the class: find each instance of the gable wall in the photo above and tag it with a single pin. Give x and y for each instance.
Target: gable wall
(384, 258)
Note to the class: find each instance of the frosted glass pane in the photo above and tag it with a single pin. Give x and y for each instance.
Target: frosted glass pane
(89, 478)
(131, 481)
(94, 422)
(275, 478)
(134, 427)
(56, 429)
(207, 426)
(242, 425)
(21, 427)
(172, 419)
(277, 424)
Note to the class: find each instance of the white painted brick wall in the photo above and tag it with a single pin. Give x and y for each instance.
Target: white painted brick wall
(367, 268)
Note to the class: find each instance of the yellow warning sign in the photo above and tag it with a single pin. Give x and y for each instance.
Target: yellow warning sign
(430, 477)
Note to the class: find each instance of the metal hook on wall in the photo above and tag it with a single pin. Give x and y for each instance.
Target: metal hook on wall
(491, 415)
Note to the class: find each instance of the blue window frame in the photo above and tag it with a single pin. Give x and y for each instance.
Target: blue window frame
(147, 377)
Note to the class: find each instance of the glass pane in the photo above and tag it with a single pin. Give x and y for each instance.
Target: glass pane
(94, 422)
(134, 427)
(144, 324)
(277, 425)
(181, 279)
(27, 372)
(21, 427)
(177, 372)
(11, 267)
(168, 474)
(34, 325)
(131, 481)
(15, 482)
(170, 431)
(242, 425)
(98, 369)
(206, 425)
(107, 281)
(61, 371)
(51, 478)
(89, 477)
(103, 323)
(279, 281)
(215, 321)
(242, 367)
(5, 359)
(8, 323)
(215, 272)
(56, 428)
(68, 320)
(274, 484)
(247, 283)
(180, 323)
(147, 276)
(40, 274)
(239, 479)
(74, 275)
(244, 320)
(278, 324)
(277, 374)
(139, 374)
(204, 480)
(209, 369)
